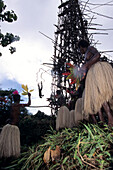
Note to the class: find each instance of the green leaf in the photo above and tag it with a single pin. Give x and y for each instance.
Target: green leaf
(80, 162)
(101, 148)
(89, 131)
(65, 159)
(31, 90)
(54, 166)
(9, 167)
(25, 87)
(107, 153)
(24, 93)
(92, 152)
(75, 154)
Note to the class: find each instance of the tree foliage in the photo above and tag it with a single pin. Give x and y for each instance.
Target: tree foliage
(32, 127)
(5, 102)
(8, 38)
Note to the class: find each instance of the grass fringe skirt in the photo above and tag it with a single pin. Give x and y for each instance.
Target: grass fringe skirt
(10, 141)
(98, 87)
(78, 113)
(62, 120)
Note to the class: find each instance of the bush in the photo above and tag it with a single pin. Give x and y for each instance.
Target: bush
(34, 127)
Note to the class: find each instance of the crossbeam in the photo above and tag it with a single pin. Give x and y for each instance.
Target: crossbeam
(38, 106)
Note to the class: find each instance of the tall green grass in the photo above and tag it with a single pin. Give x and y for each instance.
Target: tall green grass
(84, 147)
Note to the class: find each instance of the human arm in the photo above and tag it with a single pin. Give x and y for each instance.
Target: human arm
(92, 57)
(29, 101)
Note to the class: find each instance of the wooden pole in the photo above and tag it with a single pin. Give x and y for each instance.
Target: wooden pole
(38, 106)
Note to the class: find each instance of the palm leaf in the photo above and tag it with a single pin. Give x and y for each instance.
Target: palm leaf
(25, 87)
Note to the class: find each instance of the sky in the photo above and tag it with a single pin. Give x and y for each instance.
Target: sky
(25, 66)
(107, 23)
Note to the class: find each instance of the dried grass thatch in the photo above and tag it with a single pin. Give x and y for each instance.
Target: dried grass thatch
(98, 87)
(10, 141)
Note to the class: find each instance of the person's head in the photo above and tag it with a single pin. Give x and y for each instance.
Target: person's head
(83, 45)
(16, 96)
(58, 92)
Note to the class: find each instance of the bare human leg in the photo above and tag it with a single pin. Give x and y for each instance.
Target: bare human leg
(94, 119)
(101, 116)
(107, 110)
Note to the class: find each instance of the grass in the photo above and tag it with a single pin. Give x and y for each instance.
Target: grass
(84, 147)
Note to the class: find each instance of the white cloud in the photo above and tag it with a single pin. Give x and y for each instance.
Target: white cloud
(105, 40)
(23, 66)
(33, 49)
